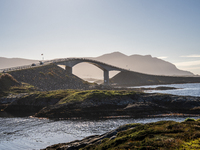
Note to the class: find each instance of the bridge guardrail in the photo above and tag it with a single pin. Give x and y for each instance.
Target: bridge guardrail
(22, 67)
(54, 61)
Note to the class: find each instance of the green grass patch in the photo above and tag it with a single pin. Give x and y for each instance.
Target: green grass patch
(160, 135)
(23, 88)
(57, 94)
(189, 119)
(96, 95)
(193, 144)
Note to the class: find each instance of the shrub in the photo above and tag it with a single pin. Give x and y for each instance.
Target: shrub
(51, 74)
(189, 119)
(198, 119)
(42, 73)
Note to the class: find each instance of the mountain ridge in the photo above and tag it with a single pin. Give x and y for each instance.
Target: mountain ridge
(14, 62)
(139, 63)
(143, 64)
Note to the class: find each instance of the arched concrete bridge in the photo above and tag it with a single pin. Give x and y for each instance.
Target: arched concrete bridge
(69, 63)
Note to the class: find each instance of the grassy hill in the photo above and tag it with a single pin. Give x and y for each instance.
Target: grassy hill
(49, 77)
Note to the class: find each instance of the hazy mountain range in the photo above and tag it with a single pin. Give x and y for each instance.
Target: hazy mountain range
(143, 64)
(14, 62)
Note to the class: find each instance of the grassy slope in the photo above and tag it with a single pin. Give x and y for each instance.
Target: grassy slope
(93, 94)
(159, 135)
(67, 96)
(49, 77)
(6, 81)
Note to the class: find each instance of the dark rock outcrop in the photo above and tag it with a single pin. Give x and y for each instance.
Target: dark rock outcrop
(126, 78)
(100, 104)
(25, 103)
(137, 105)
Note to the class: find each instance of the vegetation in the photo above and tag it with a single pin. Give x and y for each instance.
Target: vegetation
(23, 88)
(190, 119)
(6, 82)
(9, 85)
(66, 96)
(160, 135)
(51, 74)
(42, 73)
(78, 96)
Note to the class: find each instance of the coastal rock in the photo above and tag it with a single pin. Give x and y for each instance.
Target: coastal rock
(11, 98)
(54, 104)
(28, 103)
(94, 139)
(138, 105)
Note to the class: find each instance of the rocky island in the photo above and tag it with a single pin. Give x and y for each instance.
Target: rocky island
(18, 97)
(93, 103)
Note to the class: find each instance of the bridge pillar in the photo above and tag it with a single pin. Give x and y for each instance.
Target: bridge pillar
(68, 69)
(106, 77)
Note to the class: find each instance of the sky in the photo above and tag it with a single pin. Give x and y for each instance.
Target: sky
(167, 29)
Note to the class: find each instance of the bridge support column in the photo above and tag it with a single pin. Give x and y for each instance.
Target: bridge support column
(68, 69)
(106, 77)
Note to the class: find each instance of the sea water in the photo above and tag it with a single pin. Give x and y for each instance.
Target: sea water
(190, 89)
(33, 133)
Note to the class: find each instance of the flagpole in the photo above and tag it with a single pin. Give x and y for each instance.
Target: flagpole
(42, 57)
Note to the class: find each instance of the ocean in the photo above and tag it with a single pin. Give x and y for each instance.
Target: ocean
(33, 133)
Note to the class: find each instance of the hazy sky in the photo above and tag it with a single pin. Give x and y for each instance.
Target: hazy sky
(169, 29)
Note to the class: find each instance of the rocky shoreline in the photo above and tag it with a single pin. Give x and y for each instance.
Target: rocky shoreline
(138, 105)
(95, 104)
(94, 139)
(98, 104)
(158, 135)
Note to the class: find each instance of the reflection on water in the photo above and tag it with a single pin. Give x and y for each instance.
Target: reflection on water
(34, 133)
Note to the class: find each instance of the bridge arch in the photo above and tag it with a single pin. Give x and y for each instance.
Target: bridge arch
(70, 63)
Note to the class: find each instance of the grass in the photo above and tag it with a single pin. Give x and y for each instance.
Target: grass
(160, 135)
(189, 119)
(51, 74)
(67, 96)
(42, 73)
(6, 82)
(57, 94)
(23, 88)
(78, 96)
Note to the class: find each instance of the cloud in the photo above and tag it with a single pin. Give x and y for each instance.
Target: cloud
(162, 57)
(193, 56)
(188, 63)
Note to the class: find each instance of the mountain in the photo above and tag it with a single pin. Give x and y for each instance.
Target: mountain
(14, 62)
(143, 64)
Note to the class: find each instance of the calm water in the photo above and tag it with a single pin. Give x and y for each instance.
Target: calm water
(33, 133)
(190, 89)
